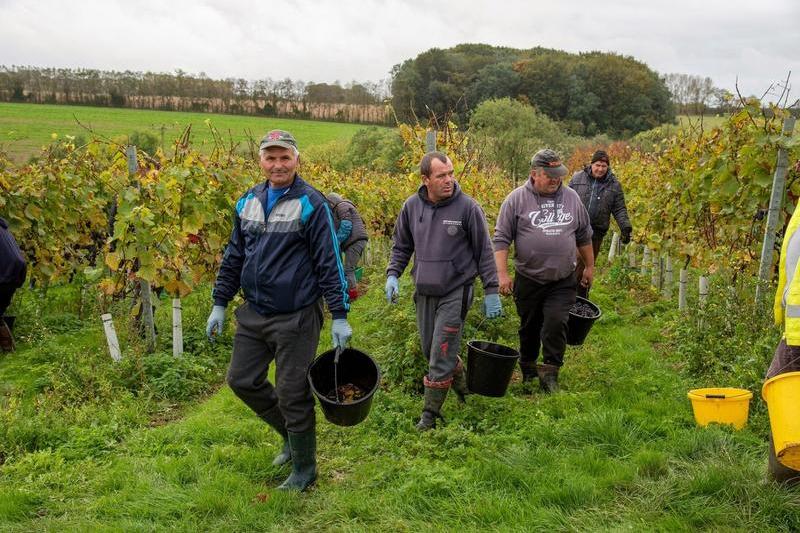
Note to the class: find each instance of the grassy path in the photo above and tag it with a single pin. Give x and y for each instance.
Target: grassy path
(617, 449)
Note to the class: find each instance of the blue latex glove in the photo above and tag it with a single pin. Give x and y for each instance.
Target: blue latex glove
(341, 332)
(216, 321)
(343, 233)
(392, 289)
(492, 307)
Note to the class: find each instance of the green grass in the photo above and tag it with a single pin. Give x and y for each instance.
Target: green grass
(617, 449)
(708, 121)
(26, 128)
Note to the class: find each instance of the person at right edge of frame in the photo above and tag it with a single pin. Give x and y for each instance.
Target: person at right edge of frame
(787, 316)
(446, 231)
(601, 194)
(549, 227)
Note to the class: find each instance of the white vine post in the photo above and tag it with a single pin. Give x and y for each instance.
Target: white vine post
(703, 291)
(430, 141)
(144, 285)
(774, 213)
(177, 328)
(682, 284)
(655, 277)
(668, 279)
(111, 337)
(645, 260)
(632, 255)
(612, 252)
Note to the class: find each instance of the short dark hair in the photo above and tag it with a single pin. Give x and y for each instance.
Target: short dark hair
(425, 164)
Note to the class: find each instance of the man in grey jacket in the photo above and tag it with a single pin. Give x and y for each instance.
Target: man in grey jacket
(601, 194)
(446, 231)
(547, 224)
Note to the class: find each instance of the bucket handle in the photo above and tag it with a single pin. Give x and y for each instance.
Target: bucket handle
(336, 372)
(338, 353)
(787, 365)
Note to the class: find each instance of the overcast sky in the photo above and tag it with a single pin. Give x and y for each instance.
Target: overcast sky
(344, 40)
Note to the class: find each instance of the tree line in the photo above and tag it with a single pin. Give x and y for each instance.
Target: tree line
(182, 91)
(588, 93)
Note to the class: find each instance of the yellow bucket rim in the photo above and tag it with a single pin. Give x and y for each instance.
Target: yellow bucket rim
(722, 393)
(773, 379)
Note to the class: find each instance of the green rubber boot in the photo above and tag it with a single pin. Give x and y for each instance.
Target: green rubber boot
(274, 418)
(460, 382)
(304, 461)
(434, 398)
(548, 378)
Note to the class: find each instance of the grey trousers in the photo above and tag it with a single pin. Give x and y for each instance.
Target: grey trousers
(352, 255)
(290, 340)
(440, 320)
(786, 359)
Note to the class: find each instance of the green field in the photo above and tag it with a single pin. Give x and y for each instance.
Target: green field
(26, 128)
(708, 121)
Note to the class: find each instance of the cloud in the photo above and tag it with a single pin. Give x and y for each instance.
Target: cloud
(361, 40)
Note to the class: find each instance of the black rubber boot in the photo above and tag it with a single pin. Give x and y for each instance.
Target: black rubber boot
(304, 461)
(548, 378)
(528, 372)
(274, 418)
(460, 382)
(434, 398)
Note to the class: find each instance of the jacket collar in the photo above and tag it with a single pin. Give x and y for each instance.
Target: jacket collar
(294, 189)
(609, 177)
(529, 186)
(422, 192)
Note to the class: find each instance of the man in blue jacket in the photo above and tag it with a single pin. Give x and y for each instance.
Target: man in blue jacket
(446, 231)
(12, 275)
(284, 255)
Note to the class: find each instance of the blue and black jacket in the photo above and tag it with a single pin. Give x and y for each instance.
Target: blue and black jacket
(284, 259)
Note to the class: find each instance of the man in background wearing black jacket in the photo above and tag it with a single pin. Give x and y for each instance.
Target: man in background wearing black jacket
(602, 196)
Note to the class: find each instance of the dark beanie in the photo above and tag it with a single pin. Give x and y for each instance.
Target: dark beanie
(600, 155)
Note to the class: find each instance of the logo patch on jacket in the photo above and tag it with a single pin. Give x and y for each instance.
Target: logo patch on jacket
(550, 217)
(452, 226)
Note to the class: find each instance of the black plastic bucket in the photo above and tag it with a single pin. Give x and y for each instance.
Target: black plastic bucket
(489, 367)
(578, 326)
(355, 367)
(9, 320)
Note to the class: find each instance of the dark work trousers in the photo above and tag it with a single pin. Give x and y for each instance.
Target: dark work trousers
(543, 310)
(6, 293)
(583, 292)
(440, 320)
(291, 340)
(352, 255)
(786, 359)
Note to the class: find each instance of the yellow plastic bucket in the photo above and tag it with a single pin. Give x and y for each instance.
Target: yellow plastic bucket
(723, 405)
(782, 394)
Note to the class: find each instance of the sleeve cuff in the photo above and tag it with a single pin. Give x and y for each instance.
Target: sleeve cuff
(220, 301)
(339, 315)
